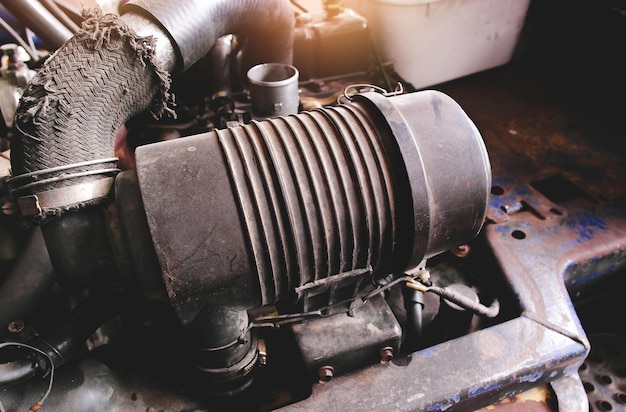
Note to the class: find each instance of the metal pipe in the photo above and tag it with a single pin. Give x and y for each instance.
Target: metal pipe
(53, 8)
(36, 17)
(17, 371)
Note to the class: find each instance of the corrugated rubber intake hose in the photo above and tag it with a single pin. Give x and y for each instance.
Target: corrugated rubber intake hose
(307, 207)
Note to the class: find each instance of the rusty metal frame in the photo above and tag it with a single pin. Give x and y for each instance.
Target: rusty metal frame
(543, 250)
(546, 252)
(478, 369)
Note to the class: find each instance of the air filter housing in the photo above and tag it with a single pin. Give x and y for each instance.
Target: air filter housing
(313, 203)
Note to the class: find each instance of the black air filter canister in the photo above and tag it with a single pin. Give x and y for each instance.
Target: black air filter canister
(249, 215)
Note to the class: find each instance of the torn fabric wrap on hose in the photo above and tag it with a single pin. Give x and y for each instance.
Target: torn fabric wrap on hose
(71, 111)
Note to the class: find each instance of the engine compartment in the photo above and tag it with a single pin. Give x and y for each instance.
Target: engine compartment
(425, 276)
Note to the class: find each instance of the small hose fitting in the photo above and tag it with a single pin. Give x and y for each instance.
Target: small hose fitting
(490, 311)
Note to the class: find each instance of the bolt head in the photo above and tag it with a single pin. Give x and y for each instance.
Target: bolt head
(325, 373)
(15, 326)
(386, 354)
(461, 251)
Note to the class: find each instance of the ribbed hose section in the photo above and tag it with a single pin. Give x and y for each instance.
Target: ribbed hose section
(301, 209)
(73, 108)
(316, 194)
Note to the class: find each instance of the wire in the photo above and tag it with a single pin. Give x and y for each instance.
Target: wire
(299, 6)
(31, 52)
(356, 302)
(37, 404)
(366, 87)
(490, 311)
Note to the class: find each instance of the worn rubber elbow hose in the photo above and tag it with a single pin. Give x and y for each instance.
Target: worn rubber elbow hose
(62, 153)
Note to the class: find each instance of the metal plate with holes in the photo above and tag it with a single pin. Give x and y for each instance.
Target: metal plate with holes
(604, 373)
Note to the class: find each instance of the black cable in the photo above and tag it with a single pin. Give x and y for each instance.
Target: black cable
(40, 402)
(414, 303)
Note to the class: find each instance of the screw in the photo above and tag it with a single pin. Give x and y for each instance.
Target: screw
(15, 326)
(325, 373)
(386, 354)
(461, 251)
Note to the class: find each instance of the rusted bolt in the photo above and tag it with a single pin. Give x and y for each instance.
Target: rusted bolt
(386, 354)
(461, 251)
(325, 373)
(15, 326)
(513, 208)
